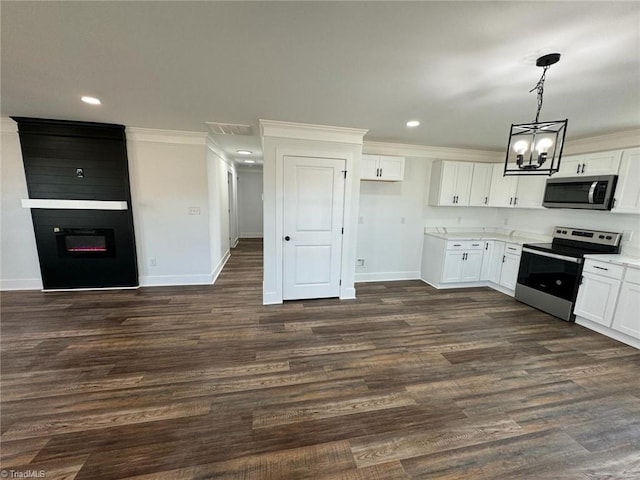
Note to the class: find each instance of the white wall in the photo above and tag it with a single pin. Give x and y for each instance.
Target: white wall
(19, 267)
(168, 176)
(250, 215)
(220, 234)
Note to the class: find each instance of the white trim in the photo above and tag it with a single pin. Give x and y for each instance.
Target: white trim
(440, 153)
(175, 280)
(251, 235)
(20, 284)
(609, 332)
(217, 150)
(347, 293)
(612, 141)
(386, 276)
(73, 204)
(272, 298)
(305, 131)
(138, 134)
(218, 268)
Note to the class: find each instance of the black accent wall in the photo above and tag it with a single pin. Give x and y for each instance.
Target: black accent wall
(69, 160)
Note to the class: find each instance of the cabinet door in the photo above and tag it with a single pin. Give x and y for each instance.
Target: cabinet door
(448, 172)
(391, 168)
(452, 269)
(463, 183)
(503, 189)
(603, 163)
(570, 166)
(627, 196)
(369, 167)
(509, 274)
(530, 191)
(496, 261)
(597, 297)
(627, 319)
(471, 266)
(485, 271)
(480, 184)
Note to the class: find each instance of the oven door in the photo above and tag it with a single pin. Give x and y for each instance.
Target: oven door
(550, 273)
(548, 282)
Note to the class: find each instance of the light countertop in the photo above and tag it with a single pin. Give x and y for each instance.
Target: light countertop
(624, 260)
(518, 239)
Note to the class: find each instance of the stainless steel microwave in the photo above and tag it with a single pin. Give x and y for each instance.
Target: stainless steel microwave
(589, 192)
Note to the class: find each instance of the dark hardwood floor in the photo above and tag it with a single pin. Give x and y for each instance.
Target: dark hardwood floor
(406, 382)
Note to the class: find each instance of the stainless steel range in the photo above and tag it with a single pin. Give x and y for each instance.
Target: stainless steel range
(549, 274)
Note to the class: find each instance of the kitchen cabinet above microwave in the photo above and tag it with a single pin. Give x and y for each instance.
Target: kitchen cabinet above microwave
(382, 168)
(601, 163)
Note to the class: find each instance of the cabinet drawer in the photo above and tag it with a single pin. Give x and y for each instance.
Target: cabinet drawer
(602, 268)
(632, 275)
(465, 245)
(513, 248)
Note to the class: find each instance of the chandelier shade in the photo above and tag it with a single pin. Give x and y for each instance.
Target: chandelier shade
(535, 148)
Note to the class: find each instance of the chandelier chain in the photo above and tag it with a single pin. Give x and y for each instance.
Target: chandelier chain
(540, 88)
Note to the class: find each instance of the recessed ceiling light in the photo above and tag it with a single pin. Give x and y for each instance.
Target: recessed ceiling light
(413, 123)
(91, 100)
(243, 152)
(249, 161)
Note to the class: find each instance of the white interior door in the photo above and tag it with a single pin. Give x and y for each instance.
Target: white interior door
(312, 227)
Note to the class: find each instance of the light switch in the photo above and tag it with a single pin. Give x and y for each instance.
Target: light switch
(194, 210)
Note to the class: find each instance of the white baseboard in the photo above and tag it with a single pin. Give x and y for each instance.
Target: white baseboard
(223, 261)
(174, 280)
(609, 332)
(251, 235)
(21, 284)
(271, 298)
(386, 276)
(347, 293)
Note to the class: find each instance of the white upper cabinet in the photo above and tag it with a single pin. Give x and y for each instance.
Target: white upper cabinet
(520, 191)
(602, 163)
(530, 191)
(383, 168)
(503, 189)
(450, 183)
(627, 195)
(480, 184)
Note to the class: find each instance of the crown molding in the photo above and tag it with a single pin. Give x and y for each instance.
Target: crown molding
(611, 141)
(217, 151)
(305, 131)
(165, 136)
(440, 153)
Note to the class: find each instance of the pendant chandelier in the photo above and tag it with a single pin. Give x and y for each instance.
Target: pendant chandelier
(536, 148)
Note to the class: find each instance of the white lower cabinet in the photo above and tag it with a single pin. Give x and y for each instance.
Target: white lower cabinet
(462, 262)
(597, 298)
(627, 316)
(487, 258)
(510, 267)
(609, 300)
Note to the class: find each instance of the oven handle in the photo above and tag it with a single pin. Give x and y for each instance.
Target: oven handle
(553, 255)
(592, 190)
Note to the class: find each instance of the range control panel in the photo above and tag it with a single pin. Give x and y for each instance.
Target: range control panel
(588, 236)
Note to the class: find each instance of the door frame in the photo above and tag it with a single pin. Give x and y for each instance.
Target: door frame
(273, 291)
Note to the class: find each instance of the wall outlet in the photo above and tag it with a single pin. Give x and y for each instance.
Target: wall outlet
(194, 210)
(360, 262)
(152, 262)
(627, 235)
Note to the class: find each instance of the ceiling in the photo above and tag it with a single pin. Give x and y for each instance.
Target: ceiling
(463, 69)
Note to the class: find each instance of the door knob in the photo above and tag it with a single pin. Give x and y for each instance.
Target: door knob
(287, 238)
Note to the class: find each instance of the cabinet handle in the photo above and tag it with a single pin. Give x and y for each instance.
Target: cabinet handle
(464, 256)
(600, 268)
(457, 244)
(503, 257)
(583, 165)
(486, 245)
(381, 171)
(486, 199)
(578, 169)
(510, 200)
(515, 201)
